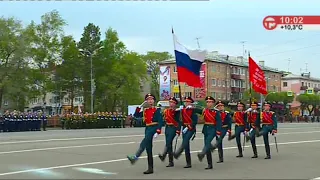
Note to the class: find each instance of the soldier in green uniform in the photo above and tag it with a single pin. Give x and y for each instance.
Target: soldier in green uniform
(189, 123)
(254, 126)
(241, 126)
(63, 120)
(153, 119)
(68, 121)
(269, 125)
(226, 123)
(124, 118)
(211, 129)
(173, 127)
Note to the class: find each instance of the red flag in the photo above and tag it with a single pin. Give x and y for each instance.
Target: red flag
(257, 78)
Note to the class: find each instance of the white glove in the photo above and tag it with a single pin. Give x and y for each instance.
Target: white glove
(251, 130)
(155, 135)
(248, 110)
(185, 130)
(188, 107)
(245, 133)
(274, 134)
(181, 107)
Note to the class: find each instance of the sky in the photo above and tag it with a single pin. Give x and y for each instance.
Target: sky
(221, 26)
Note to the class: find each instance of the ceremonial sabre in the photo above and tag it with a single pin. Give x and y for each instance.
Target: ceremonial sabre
(244, 142)
(275, 141)
(175, 146)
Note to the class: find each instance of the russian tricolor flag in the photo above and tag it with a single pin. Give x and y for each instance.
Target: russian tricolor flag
(188, 63)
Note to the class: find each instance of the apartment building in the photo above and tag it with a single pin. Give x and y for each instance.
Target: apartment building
(300, 83)
(226, 77)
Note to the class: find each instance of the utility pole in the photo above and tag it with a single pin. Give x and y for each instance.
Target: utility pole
(243, 48)
(289, 60)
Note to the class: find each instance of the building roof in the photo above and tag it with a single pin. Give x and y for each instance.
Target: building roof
(300, 77)
(237, 61)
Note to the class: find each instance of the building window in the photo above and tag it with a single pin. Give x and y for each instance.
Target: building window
(213, 81)
(219, 95)
(240, 95)
(302, 83)
(66, 100)
(228, 83)
(219, 83)
(213, 94)
(187, 94)
(228, 96)
(285, 84)
(175, 82)
(308, 84)
(223, 83)
(243, 71)
(213, 69)
(233, 83)
(174, 69)
(242, 84)
(176, 95)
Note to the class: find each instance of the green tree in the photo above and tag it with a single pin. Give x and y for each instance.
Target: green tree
(14, 70)
(68, 72)
(255, 96)
(89, 43)
(308, 99)
(152, 59)
(46, 40)
(118, 74)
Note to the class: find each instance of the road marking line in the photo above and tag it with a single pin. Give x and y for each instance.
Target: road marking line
(112, 144)
(125, 159)
(316, 178)
(94, 137)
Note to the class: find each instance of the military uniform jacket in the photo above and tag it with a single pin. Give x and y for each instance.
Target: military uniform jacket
(189, 118)
(241, 119)
(253, 119)
(151, 116)
(172, 118)
(269, 118)
(226, 120)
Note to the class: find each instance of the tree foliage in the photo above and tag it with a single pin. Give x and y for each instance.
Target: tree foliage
(39, 58)
(307, 100)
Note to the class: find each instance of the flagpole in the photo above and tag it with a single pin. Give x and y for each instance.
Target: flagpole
(174, 45)
(250, 87)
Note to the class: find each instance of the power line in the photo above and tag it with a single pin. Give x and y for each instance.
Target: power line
(281, 52)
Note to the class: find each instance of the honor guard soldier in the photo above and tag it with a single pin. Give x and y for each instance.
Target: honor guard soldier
(269, 125)
(241, 126)
(226, 123)
(1, 122)
(189, 123)
(254, 126)
(173, 127)
(44, 119)
(153, 120)
(6, 121)
(211, 129)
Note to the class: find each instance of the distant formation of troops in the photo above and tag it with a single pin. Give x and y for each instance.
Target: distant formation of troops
(218, 123)
(23, 121)
(92, 121)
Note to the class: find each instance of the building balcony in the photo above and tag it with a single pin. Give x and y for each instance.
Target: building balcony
(236, 76)
(303, 87)
(237, 89)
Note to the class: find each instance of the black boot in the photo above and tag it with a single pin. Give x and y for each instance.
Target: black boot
(255, 153)
(201, 155)
(209, 160)
(188, 159)
(150, 165)
(240, 151)
(220, 156)
(267, 152)
(163, 156)
(171, 164)
(132, 159)
(231, 137)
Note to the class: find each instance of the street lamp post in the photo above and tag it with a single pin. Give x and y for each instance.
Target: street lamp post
(91, 74)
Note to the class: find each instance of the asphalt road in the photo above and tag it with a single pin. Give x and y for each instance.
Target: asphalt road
(101, 154)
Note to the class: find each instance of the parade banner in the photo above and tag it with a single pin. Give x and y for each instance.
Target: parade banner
(201, 92)
(164, 82)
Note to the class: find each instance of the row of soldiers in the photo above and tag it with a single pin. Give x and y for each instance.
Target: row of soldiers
(92, 121)
(218, 124)
(23, 121)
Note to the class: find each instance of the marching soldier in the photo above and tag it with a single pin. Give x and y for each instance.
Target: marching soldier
(38, 122)
(254, 126)
(189, 122)
(1, 122)
(269, 125)
(211, 129)
(241, 126)
(44, 119)
(153, 120)
(226, 123)
(173, 127)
